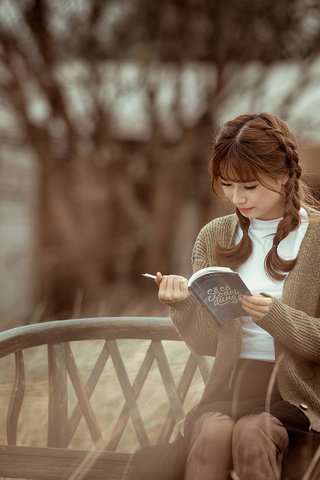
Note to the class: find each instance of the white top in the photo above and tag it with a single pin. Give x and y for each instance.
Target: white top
(256, 342)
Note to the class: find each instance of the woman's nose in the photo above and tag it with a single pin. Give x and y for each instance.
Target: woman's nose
(238, 196)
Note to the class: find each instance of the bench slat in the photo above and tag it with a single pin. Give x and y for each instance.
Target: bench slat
(183, 387)
(16, 399)
(128, 393)
(204, 367)
(89, 387)
(59, 331)
(137, 386)
(60, 464)
(83, 397)
(58, 396)
(168, 380)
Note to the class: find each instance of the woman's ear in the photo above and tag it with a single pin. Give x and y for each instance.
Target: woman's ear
(284, 178)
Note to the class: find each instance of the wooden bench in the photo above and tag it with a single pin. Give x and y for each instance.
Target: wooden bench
(81, 362)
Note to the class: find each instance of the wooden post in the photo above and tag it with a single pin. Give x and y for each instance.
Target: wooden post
(58, 396)
(16, 399)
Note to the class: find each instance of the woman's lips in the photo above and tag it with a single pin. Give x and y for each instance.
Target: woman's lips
(244, 210)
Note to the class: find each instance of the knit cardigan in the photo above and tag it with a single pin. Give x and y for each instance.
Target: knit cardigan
(293, 322)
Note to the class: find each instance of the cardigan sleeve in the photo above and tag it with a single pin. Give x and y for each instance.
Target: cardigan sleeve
(294, 329)
(193, 323)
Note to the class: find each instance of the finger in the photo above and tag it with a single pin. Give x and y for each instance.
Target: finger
(255, 297)
(178, 284)
(256, 300)
(166, 288)
(248, 308)
(184, 286)
(170, 284)
(158, 278)
(254, 314)
(173, 287)
(256, 311)
(181, 287)
(163, 287)
(255, 306)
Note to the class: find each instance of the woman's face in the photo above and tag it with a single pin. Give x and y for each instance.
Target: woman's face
(254, 200)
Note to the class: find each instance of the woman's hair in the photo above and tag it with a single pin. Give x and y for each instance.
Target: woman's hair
(260, 146)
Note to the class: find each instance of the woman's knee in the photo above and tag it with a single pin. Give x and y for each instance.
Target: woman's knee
(212, 434)
(252, 430)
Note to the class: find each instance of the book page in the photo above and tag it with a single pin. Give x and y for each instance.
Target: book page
(206, 270)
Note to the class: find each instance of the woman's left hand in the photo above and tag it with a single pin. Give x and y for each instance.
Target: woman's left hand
(257, 306)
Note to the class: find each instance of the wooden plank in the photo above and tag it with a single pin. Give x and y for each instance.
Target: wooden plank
(60, 331)
(16, 399)
(128, 393)
(204, 367)
(82, 396)
(168, 381)
(137, 386)
(58, 397)
(60, 463)
(183, 388)
(90, 386)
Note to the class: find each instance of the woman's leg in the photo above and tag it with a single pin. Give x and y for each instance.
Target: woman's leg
(210, 455)
(258, 445)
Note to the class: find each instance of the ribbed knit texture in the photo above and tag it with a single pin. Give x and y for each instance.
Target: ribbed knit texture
(293, 322)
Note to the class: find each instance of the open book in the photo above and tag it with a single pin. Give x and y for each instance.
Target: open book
(219, 289)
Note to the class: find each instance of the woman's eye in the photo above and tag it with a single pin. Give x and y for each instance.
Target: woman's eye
(246, 187)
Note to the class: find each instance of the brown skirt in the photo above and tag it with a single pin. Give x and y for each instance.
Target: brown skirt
(248, 397)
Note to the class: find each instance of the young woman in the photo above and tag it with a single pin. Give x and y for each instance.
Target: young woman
(263, 395)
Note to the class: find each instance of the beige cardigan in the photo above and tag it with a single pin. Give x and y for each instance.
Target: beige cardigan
(293, 322)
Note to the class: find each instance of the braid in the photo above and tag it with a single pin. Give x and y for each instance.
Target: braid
(285, 140)
(239, 253)
(291, 217)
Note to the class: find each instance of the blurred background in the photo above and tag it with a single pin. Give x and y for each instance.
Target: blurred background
(107, 112)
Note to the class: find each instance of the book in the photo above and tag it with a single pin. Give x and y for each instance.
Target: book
(219, 290)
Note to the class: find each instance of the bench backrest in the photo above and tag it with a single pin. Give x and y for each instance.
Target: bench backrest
(70, 395)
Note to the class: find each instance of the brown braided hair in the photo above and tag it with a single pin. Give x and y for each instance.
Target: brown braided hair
(262, 147)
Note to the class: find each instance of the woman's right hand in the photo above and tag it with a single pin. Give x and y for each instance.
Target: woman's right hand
(172, 287)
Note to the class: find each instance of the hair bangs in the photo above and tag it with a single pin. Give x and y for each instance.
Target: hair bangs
(235, 168)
